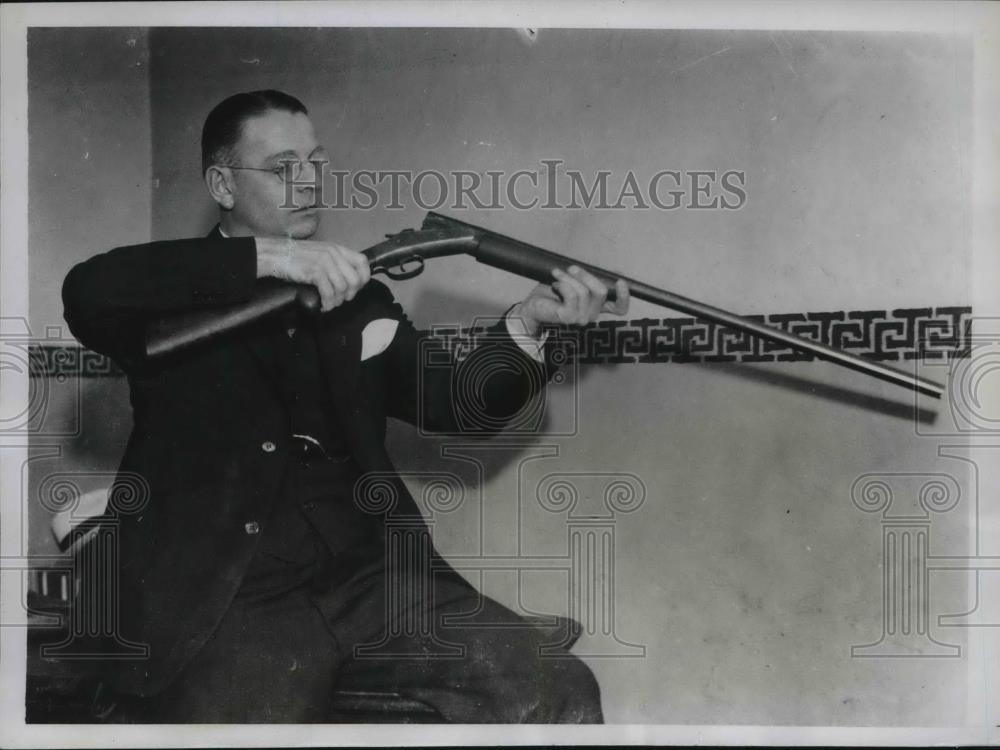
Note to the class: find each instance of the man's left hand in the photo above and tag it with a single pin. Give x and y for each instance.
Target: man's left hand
(576, 297)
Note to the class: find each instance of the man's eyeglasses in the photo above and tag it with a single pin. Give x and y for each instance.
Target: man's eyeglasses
(287, 170)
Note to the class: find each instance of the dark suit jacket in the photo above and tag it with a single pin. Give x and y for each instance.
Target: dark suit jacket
(210, 435)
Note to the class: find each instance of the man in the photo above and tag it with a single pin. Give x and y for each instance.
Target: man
(255, 568)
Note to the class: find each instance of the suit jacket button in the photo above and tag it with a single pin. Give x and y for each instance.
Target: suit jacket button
(310, 506)
(268, 447)
(252, 527)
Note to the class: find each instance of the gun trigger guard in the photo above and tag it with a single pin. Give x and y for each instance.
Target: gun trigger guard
(401, 272)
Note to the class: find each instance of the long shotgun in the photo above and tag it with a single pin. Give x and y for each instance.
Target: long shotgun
(402, 256)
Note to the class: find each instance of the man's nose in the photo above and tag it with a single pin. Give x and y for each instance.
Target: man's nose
(309, 176)
(308, 184)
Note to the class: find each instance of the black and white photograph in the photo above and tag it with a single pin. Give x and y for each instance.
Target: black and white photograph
(520, 373)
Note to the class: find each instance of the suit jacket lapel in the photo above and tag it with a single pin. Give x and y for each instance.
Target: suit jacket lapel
(338, 340)
(268, 345)
(261, 340)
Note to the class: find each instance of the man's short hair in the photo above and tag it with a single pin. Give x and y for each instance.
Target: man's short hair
(224, 124)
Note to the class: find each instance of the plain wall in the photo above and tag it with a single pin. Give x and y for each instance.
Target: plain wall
(90, 160)
(748, 573)
(90, 152)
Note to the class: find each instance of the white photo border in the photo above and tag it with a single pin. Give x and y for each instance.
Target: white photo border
(979, 22)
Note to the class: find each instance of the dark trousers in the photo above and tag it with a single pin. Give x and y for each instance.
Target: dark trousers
(308, 624)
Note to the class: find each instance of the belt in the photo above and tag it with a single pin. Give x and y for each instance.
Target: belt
(308, 450)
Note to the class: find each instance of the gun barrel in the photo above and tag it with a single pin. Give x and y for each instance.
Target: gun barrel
(537, 263)
(753, 327)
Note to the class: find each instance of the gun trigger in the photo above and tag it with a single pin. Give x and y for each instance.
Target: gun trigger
(401, 272)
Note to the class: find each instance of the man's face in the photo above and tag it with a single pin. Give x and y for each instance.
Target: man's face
(263, 203)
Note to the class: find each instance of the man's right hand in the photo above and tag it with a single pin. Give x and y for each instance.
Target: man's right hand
(336, 271)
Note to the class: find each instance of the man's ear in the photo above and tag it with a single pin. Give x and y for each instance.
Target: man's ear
(219, 182)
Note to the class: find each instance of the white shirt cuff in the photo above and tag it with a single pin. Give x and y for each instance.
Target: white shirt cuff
(529, 344)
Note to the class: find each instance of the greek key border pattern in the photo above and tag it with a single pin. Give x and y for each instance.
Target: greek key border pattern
(69, 361)
(881, 335)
